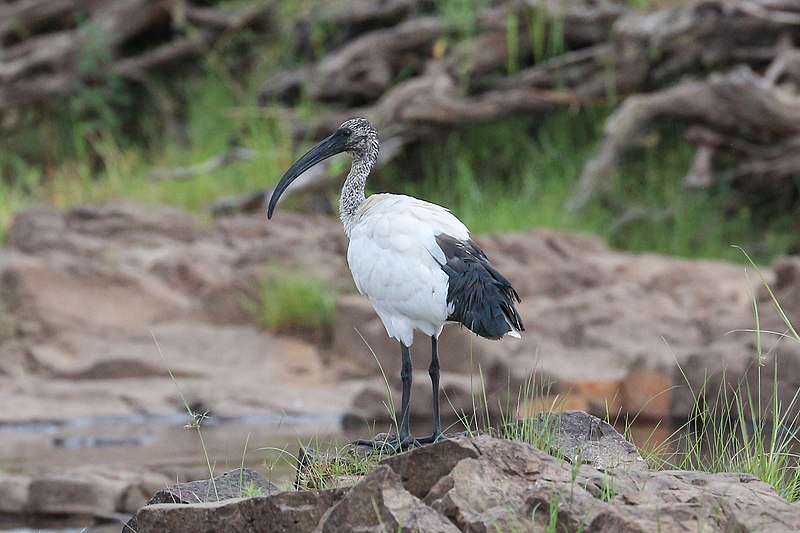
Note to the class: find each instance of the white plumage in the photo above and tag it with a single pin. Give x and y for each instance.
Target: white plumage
(397, 264)
(414, 261)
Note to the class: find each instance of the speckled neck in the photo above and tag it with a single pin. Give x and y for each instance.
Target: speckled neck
(353, 189)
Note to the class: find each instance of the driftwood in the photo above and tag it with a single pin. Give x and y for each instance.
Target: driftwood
(231, 155)
(363, 69)
(741, 113)
(727, 69)
(86, 39)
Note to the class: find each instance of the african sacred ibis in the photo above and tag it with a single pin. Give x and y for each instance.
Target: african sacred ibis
(415, 263)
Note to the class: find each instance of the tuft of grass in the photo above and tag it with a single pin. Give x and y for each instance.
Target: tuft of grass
(462, 15)
(336, 468)
(540, 431)
(250, 490)
(734, 430)
(546, 35)
(293, 302)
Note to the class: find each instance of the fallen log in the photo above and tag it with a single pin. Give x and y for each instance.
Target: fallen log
(231, 155)
(655, 63)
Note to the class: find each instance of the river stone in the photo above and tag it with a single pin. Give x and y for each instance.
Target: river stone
(379, 503)
(586, 439)
(284, 512)
(231, 484)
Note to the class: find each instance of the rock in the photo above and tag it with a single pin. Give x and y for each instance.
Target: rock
(90, 490)
(380, 502)
(604, 328)
(421, 469)
(232, 484)
(786, 288)
(286, 512)
(585, 439)
(646, 394)
(488, 484)
(14, 490)
(66, 495)
(64, 275)
(512, 486)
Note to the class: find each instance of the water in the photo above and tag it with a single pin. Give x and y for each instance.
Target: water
(155, 441)
(267, 444)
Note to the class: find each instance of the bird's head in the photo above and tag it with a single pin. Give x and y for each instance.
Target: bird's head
(356, 136)
(360, 136)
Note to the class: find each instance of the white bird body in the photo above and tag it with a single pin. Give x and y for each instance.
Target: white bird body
(414, 261)
(397, 263)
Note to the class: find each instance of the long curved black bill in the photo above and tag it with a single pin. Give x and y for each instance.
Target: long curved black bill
(330, 146)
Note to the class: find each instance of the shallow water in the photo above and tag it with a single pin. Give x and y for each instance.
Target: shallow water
(155, 441)
(267, 444)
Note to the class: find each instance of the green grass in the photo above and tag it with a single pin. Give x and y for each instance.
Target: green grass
(103, 168)
(518, 174)
(294, 302)
(336, 467)
(745, 429)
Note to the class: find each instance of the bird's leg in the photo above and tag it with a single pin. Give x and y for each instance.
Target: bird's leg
(403, 439)
(433, 371)
(405, 375)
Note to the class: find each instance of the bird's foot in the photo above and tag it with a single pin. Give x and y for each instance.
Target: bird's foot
(436, 436)
(389, 444)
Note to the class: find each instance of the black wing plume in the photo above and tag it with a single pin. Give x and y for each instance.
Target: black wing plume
(481, 297)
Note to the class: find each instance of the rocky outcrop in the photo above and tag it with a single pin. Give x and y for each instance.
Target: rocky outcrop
(486, 484)
(232, 484)
(110, 296)
(85, 295)
(606, 331)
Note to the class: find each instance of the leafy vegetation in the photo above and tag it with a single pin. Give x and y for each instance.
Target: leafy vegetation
(518, 174)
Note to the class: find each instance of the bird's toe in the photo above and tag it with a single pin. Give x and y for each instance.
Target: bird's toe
(436, 436)
(389, 444)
